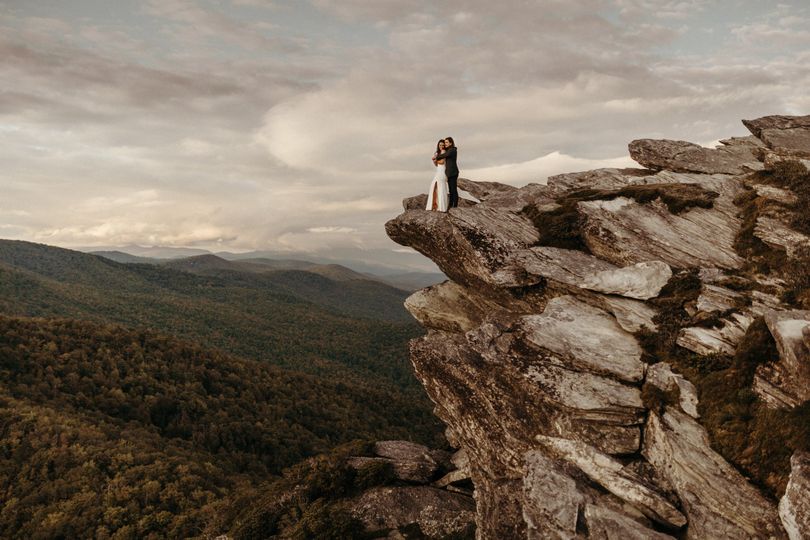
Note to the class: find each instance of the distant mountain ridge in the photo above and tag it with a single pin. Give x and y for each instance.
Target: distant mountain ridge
(180, 382)
(407, 281)
(389, 265)
(354, 331)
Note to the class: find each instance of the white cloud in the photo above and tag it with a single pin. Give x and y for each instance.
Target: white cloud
(538, 170)
(664, 9)
(331, 230)
(254, 124)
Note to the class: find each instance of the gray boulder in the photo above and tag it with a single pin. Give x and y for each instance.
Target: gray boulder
(606, 524)
(642, 280)
(718, 502)
(683, 156)
(786, 135)
(794, 507)
(437, 513)
(786, 383)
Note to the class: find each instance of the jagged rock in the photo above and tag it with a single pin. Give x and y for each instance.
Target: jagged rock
(778, 234)
(437, 512)
(769, 158)
(484, 190)
(718, 502)
(452, 477)
(419, 202)
(565, 266)
(773, 193)
(786, 383)
(468, 244)
(632, 315)
(623, 232)
(762, 302)
(772, 394)
(584, 338)
(517, 200)
(517, 348)
(612, 475)
(786, 135)
(711, 275)
(409, 451)
(704, 341)
(542, 394)
(749, 140)
(716, 340)
(606, 524)
(714, 298)
(662, 376)
(683, 156)
(599, 179)
(451, 307)
(776, 122)
(419, 472)
(642, 280)
(496, 400)
(461, 462)
(551, 499)
(411, 462)
(794, 507)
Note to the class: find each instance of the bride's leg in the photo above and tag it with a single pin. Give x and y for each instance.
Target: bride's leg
(435, 194)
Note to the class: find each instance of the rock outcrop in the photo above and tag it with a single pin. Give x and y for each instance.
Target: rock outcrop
(538, 353)
(426, 496)
(785, 383)
(682, 156)
(678, 447)
(435, 513)
(786, 135)
(794, 508)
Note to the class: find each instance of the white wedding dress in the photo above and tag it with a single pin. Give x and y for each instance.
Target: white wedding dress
(439, 190)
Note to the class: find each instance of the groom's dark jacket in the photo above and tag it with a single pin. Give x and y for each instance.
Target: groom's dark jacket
(450, 165)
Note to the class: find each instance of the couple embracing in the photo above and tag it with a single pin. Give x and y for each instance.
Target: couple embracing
(443, 193)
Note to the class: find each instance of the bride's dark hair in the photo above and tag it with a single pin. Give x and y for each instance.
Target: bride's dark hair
(438, 150)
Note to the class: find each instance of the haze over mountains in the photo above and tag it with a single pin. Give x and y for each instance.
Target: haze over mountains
(403, 270)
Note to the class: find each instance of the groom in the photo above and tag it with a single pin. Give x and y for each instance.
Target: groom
(450, 155)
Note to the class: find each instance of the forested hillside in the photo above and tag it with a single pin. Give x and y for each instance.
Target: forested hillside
(113, 432)
(295, 320)
(135, 396)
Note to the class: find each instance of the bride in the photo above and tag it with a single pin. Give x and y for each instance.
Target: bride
(438, 195)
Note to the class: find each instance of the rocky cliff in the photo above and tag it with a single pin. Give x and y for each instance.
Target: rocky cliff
(624, 353)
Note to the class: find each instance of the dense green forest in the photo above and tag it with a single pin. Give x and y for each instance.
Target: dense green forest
(135, 398)
(110, 432)
(292, 319)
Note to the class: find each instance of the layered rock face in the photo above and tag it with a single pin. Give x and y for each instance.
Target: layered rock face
(533, 355)
(422, 505)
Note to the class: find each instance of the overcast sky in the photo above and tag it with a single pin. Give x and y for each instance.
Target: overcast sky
(301, 124)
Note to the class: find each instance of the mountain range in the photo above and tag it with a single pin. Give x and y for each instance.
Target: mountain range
(343, 270)
(200, 372)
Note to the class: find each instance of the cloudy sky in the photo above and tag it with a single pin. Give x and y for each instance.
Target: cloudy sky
(301, 124)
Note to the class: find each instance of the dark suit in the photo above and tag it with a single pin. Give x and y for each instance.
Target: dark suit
(451, 169)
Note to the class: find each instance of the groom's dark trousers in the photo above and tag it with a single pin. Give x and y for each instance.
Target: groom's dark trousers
(452, 183)
(450, 157)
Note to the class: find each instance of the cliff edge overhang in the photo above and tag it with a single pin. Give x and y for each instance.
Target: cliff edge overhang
(573, 350)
